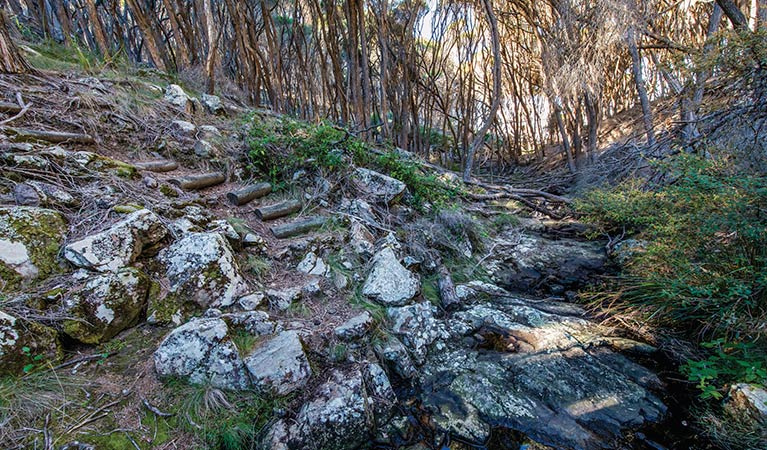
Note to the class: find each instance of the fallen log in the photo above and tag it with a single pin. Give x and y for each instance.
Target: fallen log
(278, 210)
(55, 137)
(194, 182)
(249, 193)
(298, 227)
(446, 288)
(162, 165)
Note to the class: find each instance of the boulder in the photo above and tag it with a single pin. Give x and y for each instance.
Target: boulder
(313, 265)
(251, 301)
(209, 132)
(175, 95)
(183, 128)
(389, 283)
(106, 305)
(201, 352)
(204, 149)
(212, 104)
(279, 365)
(119, 245)
(748, 401)
(340, 414)
(379, 187)
(355, 327)
(361, 240)
(281, 299)
(29, 244)
(255, 323)
(202, 271)
(25, 344)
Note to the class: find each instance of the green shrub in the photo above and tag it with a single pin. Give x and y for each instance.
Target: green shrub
(703, 267)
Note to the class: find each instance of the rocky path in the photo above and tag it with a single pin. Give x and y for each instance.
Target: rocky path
(342, 306)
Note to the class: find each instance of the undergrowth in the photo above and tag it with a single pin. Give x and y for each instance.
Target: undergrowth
(277, 148)
(702, 264)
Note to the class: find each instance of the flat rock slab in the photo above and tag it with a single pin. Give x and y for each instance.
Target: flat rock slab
(381, 188)
(509, 364)
(279, 365)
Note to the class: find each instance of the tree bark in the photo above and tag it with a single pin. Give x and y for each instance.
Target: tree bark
(194, 182)
(12, 60)
(737, 18)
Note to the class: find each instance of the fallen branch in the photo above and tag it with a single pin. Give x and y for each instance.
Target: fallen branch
(157, 166)
(55, 137)
(155, 410)
(23, 107)
(278, 210)
(298, 227)
(249, 193)
(194, 182)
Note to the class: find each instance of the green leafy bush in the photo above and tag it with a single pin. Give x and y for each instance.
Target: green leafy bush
(703, 265)
(729, 363)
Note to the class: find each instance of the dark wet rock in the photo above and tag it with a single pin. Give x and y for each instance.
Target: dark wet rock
(565, 394)
(529, 263)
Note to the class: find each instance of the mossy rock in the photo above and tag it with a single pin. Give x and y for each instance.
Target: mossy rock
(107, 305)
(30, 238)
(26, 345)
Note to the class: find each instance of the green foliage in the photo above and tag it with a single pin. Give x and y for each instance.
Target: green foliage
(703, 265)
(425, 187)
(730, 363)
(33, 361)
(257, 266)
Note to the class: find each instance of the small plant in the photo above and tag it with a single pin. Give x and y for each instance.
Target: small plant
(339, 353)
(34, 361)
(257, 266)
(731, 362)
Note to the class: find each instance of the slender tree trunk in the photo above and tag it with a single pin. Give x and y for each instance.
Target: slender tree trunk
(479, 138)
(641, 90)
(11, 60)
(737, 18)
(565, 140)
(98, 29)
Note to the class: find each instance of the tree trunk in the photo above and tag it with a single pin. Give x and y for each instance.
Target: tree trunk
(641, 90)
(496, 102)
(12, 60)
(737, 18)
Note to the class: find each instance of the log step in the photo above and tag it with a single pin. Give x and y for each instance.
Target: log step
(249, 193)
(298, 227)
(55, 137)
(162, 165)
(194, 182)
(278, 210)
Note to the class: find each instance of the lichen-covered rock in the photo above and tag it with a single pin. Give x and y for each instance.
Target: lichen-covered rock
(201, 352)
(183, 128)
(355, 327)
(748, 401)
(119, 245)
(341, 413)
(396, 357)
(49, 194)
(256, 323)
(29, 243)
(417, 327)
(212, 103)
(361, 240)
(313, 265)
(25, 344)
(175, 95)
(281, 299)
(382, 188)
(106, 305)
(389, 283)
(279, 365)
(202, 270)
